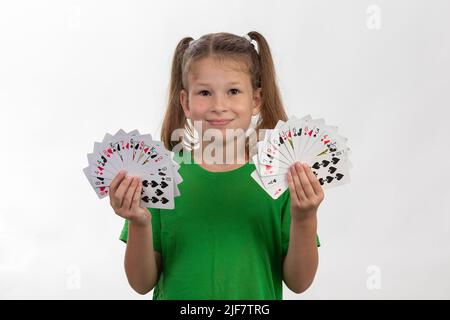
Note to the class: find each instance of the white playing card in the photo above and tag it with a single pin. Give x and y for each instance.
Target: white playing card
(268, 155)
(304, 140)
(307, 131)
(277, 141)
(275, 192)
(157, 192)
(101, 191)
(268, 170)
(139, 155)
(331, 170)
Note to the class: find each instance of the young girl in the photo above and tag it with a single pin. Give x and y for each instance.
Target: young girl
(226, 238)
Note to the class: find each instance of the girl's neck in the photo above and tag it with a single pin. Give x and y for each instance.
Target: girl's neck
(215, 163)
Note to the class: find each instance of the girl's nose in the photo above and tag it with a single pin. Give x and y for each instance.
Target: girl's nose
(219, 104)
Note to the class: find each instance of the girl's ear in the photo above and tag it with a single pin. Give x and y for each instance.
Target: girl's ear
(184, 100)
(256, 101)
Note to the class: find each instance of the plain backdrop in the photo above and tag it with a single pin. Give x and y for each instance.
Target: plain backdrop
(70, 71)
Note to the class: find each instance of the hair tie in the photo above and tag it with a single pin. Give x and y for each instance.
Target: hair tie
(253, 42)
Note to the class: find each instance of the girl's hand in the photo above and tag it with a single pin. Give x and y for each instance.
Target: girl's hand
(306, 192)
(125, 197)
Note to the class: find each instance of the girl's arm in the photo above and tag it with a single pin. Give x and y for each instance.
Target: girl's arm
(142, 263)
(300, 263)
(302, 258)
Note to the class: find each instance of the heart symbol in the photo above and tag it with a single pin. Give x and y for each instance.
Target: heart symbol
(332, 169)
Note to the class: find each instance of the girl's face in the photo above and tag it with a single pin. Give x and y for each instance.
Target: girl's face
(220, 96)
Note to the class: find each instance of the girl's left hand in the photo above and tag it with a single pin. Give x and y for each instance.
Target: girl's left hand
(306, 192)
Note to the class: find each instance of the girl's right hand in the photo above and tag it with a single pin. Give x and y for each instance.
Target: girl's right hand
(125, 197)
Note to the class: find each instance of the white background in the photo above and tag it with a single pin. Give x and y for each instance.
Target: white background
(70, 71)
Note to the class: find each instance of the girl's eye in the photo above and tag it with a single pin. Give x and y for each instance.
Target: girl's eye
(235, 90)
(203, 91)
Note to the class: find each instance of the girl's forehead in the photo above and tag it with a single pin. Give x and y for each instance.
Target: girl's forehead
(209, 69)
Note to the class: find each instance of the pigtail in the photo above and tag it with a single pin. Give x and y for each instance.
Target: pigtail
(271, 104)
(174, 117)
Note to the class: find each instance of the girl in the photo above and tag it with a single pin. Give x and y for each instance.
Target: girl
(226, 238)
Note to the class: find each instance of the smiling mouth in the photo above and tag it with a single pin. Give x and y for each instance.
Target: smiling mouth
(219, 122)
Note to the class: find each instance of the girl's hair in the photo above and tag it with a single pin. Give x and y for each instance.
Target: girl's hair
(221, 46)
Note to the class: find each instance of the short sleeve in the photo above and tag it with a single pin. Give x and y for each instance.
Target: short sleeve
(156, 229)
(286, 224)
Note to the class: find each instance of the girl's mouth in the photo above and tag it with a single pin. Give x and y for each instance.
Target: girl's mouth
(219, 122)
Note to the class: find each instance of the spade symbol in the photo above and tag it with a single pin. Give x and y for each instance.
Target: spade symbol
(154, 184)
(281, 141)
(316, 166)
(339, 176)
(163, 184)
(145, 199)
(335, 160)
(153, 156)
(321, 181)
(332, 170)
(325, 163)
(159, 192)
(155, 199)
(164, 200)
(145, 183)
(329, 179)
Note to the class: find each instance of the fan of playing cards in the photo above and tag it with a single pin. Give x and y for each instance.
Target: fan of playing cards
(139, 156)
(305, 140)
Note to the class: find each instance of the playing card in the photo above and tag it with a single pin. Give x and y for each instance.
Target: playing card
(157, 192)
(279, 138)
(139, 155)
(304, 140)
(274, 190)
(331, 170)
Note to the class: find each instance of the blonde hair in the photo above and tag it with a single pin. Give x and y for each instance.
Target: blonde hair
(221, 46)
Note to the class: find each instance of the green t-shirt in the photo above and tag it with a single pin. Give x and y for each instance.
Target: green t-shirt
(225, 239)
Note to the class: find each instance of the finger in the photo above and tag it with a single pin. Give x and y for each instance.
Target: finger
(306, 186)
(294, 198)
(116, 181)
(298, 187)
(137, 196)
(120, 192)
(313, 180)
(126, 205)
